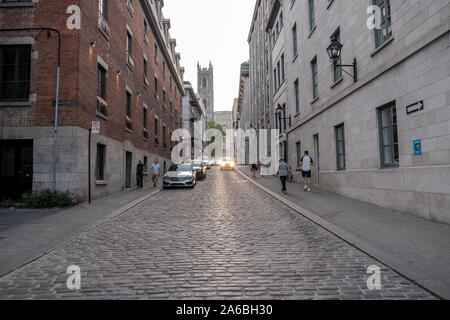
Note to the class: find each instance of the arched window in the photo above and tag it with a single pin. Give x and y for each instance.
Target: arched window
(204, 82)
(204, 103)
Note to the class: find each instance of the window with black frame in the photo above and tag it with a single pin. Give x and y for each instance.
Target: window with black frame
(383, 33)
(340, 147)
(387, 121)
(15, 69)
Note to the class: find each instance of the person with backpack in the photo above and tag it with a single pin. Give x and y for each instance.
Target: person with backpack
(306, 163)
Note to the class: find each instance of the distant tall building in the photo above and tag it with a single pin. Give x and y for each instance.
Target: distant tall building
(224, 118)
(205, 88)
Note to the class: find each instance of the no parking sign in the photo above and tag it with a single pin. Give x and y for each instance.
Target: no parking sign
(95, 129)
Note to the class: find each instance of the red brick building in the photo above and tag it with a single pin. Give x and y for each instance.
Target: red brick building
(119, 67)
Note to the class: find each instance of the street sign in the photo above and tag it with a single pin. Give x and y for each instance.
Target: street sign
(95, 127)
(418, 106)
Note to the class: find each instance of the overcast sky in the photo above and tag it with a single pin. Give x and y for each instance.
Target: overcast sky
(215, 30)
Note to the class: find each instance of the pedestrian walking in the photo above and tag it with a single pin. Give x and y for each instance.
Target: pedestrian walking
(259, 169)
(283, 171)
(306, 163)
(254, 170)
(140, 175)
(156, 167)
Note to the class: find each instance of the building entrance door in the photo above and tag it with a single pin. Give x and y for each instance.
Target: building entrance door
(316, 160)
(128, 166)
(16, 168)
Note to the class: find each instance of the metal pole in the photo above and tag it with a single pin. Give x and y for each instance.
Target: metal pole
(89, 166)
(55, 134)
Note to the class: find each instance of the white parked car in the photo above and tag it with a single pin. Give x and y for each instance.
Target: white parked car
(182, 175)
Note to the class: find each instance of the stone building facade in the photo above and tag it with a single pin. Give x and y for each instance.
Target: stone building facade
(244, 109)
(193, 113)
(205, 88)
(384, 139)
(224, 118)
(260, 64)
(119, 68)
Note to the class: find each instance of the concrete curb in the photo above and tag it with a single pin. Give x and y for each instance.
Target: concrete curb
(340, 233)
(88, 229)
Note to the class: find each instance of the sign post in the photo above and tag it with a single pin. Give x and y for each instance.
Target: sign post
(94, 129)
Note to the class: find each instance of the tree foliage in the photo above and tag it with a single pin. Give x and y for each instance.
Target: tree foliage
(214, 125)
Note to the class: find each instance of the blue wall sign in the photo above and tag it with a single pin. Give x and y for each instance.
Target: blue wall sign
(418, 147)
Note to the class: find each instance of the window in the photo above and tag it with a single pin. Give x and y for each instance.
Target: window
(103, 9)
(145, 67)
(298, 150)
(340, 147)
(130, 7)
(145, 32)
(278, 74)
(164, 137)
(283, 76)
(145, 118)
(164, 69)
(266, 55)
(129, 44)
(315, 80)
(297, 96)
(144, 122)
(385, 32)
(15, 68)
(294, 39)
(156, 54)
(337, 71)
(128, 122)
(156, 90)
(204, 83)
(387, 121)
(312, 18)
(275, 87)
(100, 162)
(156, 131)
(130, 62)
(101, 90)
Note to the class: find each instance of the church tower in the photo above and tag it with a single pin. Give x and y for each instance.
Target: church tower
(205, 88)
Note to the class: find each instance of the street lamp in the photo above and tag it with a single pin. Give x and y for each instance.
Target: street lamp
(281, 112)
(334, 51)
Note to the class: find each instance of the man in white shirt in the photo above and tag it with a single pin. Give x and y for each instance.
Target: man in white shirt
(155, 173)
(306, 163)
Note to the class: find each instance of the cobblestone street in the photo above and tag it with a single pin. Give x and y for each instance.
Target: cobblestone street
(225, 239)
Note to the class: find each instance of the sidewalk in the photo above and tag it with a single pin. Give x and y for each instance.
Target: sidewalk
(418, 248)
(28, 234)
